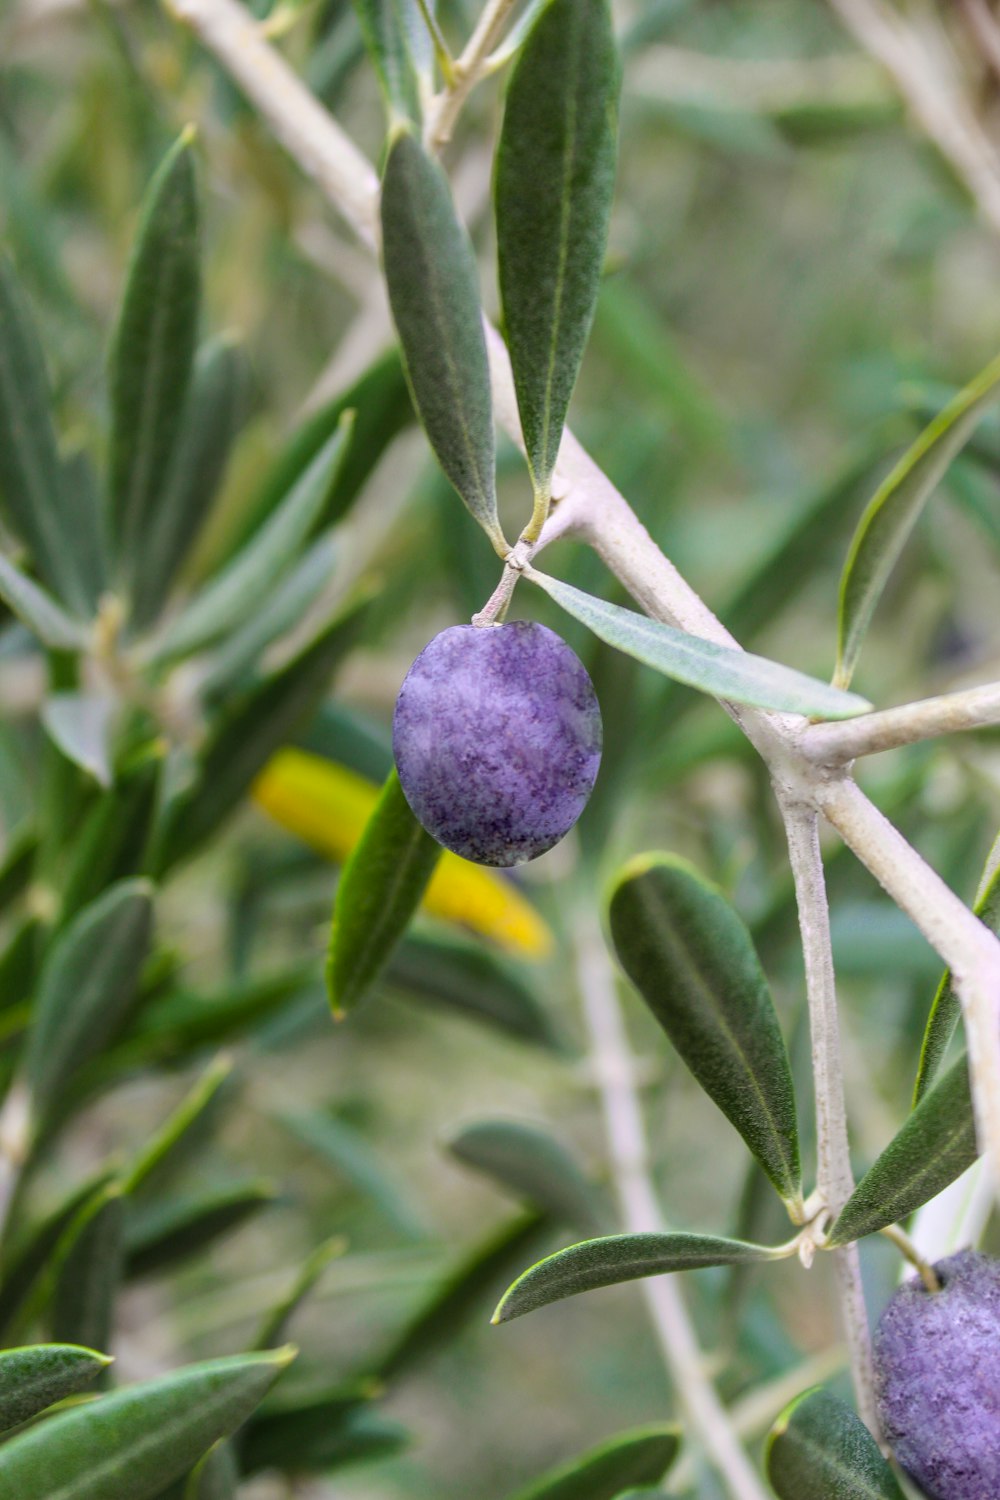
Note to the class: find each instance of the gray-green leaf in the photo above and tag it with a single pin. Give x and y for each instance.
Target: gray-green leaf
(894, 510)
(82, 725)
(390, 29)
(135, 1442)
(533, 1165)
(819, 1450)
(153, 348)
(238, 590)
(379, 890)
(638, 1457)
(86, 987)
(693, 961)
(37, 609)
(722, 671)
(89, 1274)
(936, 1145)
(554, 185)
(216, 408)
(433, 287)
(616, 1258)
(31, 478)
(42, 1374)
(946, 1011)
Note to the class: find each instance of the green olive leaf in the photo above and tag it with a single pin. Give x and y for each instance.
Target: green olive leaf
(555, 176)
(532, 1165)
(616, 1258)
(135, 1442)
(380, 889)
(632, 1458)
(36, 608)
(819, 1450)
(42, 1374)
(894, 510)
(153, 349)
(723, 671)
(936, 1144)
(433, 287)
(693, 962)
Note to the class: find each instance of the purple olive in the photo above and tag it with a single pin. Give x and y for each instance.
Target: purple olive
(937, 1375)
(497, 739)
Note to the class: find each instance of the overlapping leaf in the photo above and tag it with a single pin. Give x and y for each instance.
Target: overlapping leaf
(692, 959)
(616, 1258)
(153, 349)
(135, 1442)
(895, 509)
(42, 1374)
(819, 1450)
(380, 889)
(632, 1458)
(433, 287)
(554, 184)
(533, 1165)
(723, 671)
(936, 1145)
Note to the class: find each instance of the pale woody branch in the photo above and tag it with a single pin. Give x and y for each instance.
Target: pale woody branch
(467, 70)
(837, 744)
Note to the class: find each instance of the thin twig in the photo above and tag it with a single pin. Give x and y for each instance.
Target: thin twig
(838, 744)
(834, 1179)
(466, 72)
(612, 1062)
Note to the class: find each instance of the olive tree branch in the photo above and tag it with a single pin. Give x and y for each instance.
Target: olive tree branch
(837, 744)
(466, 71)
(834, 1179)
(591, 508)
(614, 1073)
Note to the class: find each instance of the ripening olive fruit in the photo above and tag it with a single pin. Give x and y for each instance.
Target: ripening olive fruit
(937, 1378)
(497, 739)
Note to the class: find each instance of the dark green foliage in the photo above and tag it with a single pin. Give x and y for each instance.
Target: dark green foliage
(819, 1450)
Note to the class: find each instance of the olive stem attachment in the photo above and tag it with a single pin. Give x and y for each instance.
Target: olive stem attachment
(909, 1252)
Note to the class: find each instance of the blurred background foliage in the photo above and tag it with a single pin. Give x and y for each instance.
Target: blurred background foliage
(795, 280)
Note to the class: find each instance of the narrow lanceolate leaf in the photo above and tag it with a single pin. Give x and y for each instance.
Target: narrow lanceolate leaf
(34, 1256)
(693, 962)
(172, 1231)
(86, 987)
(40, 1375)
(275, 1324)
(353, 1159)
(216, 1477)
(638, 1457)
(819, 1450)
(112, 840)
(616, 1258)
(136, 1442)
(469, 980)
(81, 724)
(895, 509)
(390, 28)
(90, 1274)
(216, 408)
(946, 1012)
(31, 478)
(318, 1436)
(169, 1139)
(379, 891)
(737, 676)
(554, 184)
(936, 1145)
(237, 592)
(251, 728)
(153, 350)
(463, 1293)
(532, 1165)
(433, 286)
(37, 609)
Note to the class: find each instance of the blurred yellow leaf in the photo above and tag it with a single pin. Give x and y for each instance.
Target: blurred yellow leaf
(327, 806)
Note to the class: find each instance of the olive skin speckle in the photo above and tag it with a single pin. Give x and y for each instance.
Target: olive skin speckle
(937, 1373)
(497, 740)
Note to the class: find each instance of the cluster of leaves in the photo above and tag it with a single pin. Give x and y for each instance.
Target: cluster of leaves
(171, 684)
